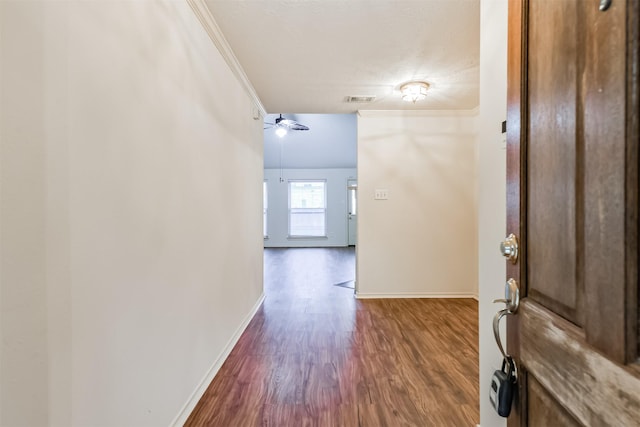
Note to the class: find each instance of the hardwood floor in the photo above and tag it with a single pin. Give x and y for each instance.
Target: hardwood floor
(315, 356)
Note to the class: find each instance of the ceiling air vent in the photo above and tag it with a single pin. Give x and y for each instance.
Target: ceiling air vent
(359, 99)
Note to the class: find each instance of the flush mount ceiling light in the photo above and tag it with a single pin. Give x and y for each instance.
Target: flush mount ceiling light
(414, 91)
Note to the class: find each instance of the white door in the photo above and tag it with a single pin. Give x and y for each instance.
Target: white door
(352, 210)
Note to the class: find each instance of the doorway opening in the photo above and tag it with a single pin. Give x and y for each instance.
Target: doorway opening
(310, 183)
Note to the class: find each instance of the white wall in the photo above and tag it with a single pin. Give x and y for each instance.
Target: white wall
(130, 216)
(421, 241)
(336, 214)
(491, 190)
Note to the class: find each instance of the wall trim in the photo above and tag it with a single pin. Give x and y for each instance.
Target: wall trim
(209, 24)
(197, 394)
(419, 113)
(476, 297)
(360, 295)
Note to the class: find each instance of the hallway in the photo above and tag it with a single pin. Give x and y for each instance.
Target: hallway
(315, 356)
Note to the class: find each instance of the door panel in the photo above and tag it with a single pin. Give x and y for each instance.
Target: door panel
(554, 84)
(605, 159)
(572, 197)
(544, 410)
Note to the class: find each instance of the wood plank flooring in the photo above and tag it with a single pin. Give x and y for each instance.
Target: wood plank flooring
(315, 356)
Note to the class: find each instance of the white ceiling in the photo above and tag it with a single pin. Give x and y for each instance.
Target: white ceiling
(306, 56)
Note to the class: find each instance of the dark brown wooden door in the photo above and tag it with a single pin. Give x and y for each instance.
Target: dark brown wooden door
(572, 131)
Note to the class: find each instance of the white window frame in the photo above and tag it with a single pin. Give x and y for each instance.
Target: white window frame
(324, 209)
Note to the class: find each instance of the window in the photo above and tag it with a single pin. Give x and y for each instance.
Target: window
(352, 201)
(265, 205)
(307, 206)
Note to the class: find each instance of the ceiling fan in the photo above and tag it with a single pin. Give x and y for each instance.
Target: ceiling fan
(286, 124)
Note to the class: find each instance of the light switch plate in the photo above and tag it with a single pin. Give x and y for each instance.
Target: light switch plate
(381, 194)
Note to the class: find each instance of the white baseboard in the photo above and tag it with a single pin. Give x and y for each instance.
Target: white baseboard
(360, 295)
(188, 407)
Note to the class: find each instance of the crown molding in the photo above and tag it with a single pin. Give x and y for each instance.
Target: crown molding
(209, 24)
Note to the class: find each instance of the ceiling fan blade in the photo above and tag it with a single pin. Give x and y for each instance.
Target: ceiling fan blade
(298, 126)
(286, 123)
(292, 124)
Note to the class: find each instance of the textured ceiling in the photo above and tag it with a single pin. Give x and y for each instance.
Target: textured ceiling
(306, 56)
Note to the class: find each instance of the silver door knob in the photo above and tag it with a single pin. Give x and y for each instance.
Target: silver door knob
(509, 248)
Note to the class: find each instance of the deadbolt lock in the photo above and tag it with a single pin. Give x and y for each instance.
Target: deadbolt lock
(509, 248)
